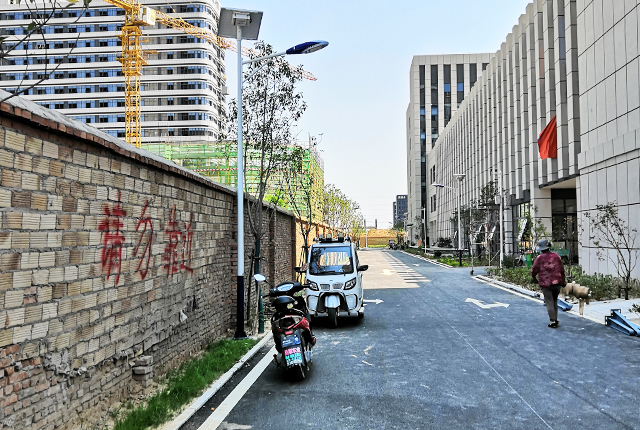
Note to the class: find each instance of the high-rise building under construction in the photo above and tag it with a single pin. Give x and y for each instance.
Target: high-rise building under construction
(74, 62)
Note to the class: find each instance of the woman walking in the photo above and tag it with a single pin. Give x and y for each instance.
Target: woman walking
(551, 270)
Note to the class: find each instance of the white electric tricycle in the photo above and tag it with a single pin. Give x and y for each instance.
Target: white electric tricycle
(334, 278)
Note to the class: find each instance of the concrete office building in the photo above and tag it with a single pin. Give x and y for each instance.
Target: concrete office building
(576, 61)
(182, 85)
(438, 84)
(399, 208)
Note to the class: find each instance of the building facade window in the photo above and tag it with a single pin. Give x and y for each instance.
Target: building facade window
(447, 93)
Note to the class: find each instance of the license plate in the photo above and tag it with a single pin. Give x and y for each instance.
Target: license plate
(290, 340)
(293, 355)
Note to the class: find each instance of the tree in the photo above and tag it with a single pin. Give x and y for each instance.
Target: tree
(335, 205)
(341, 213)
(418, 223)
(303, 192)
(608, 232)
(34, 37)
(271, 109)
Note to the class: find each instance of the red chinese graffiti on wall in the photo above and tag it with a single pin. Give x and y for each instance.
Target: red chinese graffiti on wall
(171, 249)
(147, 232)
(112, 240)
(177, 253)
(187, 240)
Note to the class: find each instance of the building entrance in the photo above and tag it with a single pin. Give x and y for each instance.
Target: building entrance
(564, 222)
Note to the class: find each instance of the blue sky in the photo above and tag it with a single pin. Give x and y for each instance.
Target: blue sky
(359, 101)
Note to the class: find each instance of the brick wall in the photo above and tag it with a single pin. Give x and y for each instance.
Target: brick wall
(108, 253)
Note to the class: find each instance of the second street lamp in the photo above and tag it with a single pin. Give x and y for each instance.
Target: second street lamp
(459, 177)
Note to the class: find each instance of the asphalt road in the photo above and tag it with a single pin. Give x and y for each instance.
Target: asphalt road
(425, 358)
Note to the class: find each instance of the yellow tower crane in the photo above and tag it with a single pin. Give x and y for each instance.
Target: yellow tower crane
(132, 59)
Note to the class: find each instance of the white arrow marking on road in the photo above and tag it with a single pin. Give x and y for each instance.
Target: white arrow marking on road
(483, 306)
(387, 272)
(416, 264)
(376, 301)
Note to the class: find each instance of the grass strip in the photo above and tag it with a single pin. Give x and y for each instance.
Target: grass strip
(186, 383)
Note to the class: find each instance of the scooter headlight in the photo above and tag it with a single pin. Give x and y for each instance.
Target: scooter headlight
(350, 284)
(313, 286)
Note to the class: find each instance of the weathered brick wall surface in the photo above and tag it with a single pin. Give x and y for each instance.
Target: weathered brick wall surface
(112, 262)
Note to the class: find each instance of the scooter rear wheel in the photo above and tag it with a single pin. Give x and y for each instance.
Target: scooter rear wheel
(299, 372)
(333, 317)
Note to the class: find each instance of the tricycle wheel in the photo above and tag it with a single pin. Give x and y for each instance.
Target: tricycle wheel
(333, 317)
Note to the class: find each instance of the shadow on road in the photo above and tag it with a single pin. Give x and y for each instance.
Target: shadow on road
(343, 322)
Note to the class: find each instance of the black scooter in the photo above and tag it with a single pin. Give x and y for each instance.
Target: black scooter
(290, 325)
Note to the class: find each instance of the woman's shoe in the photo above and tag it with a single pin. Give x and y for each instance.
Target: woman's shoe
(554, 324)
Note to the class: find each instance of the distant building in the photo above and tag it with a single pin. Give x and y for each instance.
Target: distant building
(438, 85)
(399, 208)
(566, 68)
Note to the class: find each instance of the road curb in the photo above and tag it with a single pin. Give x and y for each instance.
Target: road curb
(213, 389)
(531, 295)
(436, 263)
(509, 286)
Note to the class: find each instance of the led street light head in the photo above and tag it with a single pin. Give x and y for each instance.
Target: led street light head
(307, 47)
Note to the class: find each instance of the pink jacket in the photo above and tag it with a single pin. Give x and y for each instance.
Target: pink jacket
(550, 268)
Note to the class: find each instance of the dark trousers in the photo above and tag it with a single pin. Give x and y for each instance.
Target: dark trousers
(551, 301)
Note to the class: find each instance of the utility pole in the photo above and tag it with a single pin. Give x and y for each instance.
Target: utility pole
(366, 234)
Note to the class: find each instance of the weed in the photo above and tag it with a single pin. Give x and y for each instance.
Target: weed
(185, 383)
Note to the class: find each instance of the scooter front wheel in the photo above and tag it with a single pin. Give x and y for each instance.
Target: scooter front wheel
(333, 317)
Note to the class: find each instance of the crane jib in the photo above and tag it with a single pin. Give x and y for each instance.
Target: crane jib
(136, 16)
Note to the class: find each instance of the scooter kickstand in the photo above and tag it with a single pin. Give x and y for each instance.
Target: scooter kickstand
(275, 360)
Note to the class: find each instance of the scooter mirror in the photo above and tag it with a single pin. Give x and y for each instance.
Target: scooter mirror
(259, 278)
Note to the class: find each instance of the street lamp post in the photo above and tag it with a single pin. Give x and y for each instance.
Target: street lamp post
(499, 173)
(424, 221)
(459, 177)
(245, 24)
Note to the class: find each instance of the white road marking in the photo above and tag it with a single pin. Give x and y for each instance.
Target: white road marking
(387, 272)
(376, 301)
(227, 405)
(483, 306)
(367, 363)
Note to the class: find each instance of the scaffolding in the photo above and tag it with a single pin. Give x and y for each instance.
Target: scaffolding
(218, 161)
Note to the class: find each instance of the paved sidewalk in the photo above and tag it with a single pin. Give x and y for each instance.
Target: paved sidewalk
(598, 310)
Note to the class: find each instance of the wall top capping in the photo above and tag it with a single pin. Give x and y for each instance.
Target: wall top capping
(27, 111)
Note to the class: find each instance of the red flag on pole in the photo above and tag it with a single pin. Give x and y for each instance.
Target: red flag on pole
(548, 141)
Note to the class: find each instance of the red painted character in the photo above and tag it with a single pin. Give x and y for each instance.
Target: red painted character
(145, 222)
(187, 240)
(112, 240)
(171, 249)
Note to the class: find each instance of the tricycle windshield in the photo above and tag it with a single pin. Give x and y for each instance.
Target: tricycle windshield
(330, 260)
